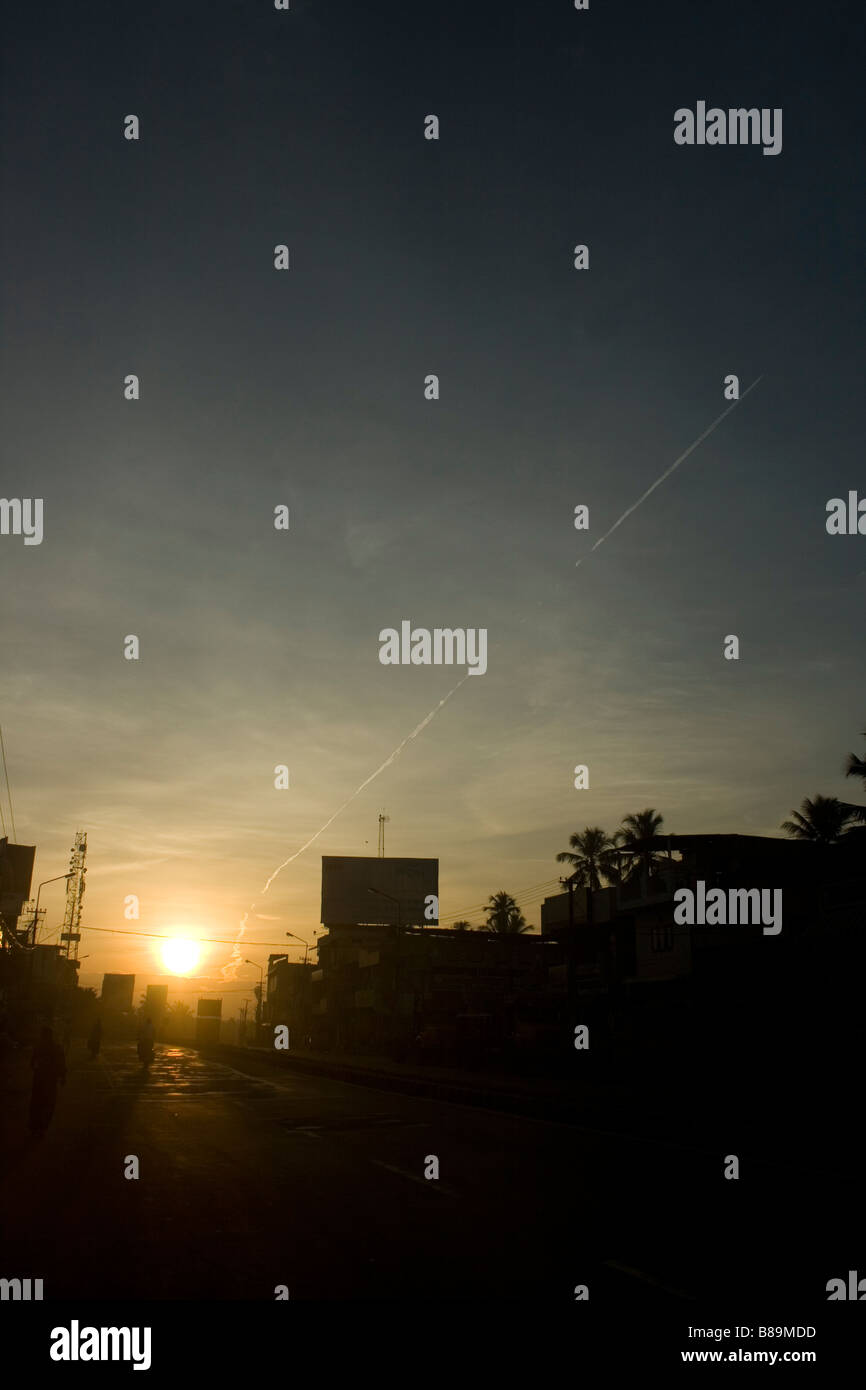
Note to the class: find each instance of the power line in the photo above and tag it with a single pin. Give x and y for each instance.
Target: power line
(524, 897)
(531, 896)
(210, 940)
(8, 787)
(522, 893)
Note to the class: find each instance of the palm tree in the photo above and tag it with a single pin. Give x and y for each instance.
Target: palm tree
(631, 839)
(822, 820)
(595, 857)
(178, 1020)
(856, 767)
(462, 925)
(504, 916)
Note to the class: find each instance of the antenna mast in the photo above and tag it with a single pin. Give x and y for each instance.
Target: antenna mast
(74, 893)
(382, 819)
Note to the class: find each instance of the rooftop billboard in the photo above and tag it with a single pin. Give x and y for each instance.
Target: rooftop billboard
(117, 992)
(360, 890)
(156, 999)
(16, 872)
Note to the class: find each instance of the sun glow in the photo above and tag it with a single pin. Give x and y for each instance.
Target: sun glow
(180, 956)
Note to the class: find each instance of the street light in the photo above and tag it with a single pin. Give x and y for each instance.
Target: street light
(261, 1008)
(56, 879)
(305, 944)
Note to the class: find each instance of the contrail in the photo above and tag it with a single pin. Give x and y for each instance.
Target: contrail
(236, 954)
(676, 463)
(373, 775)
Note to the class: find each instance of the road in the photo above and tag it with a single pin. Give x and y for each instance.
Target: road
(258, 1177)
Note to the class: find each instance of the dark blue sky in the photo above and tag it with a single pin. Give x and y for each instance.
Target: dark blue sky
(557, 388)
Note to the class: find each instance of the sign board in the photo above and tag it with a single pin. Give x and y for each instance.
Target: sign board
(117, 992)
(156, 999)
(358, 890)
(16, 873)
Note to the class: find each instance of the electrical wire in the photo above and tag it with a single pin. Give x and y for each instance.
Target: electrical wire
(9, 790)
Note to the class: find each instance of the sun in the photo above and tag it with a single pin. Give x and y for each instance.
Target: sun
(180, 956)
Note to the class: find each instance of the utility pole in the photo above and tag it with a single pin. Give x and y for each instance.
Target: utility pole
(569, 884)
(305, 944)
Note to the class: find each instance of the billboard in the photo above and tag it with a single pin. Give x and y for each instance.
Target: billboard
(207, 1023)
(156, 1000)
(117, 992)
(358, 890)
(16, 872)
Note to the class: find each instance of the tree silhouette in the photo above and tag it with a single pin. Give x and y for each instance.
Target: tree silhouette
(630, 838)
(504, 916)
(592, 855)
(856, 767)
(462, 925)
(822, 820)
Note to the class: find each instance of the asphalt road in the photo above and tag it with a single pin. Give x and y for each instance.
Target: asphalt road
(255, 1178)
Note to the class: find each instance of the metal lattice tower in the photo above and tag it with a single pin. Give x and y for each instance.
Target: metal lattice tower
(74, 893)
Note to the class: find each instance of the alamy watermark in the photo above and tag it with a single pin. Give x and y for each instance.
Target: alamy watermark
(846, 519)
(732, 907)
(75, 1343)
(22, 516)
(21, 1290)
(444, 646)
(736, 126)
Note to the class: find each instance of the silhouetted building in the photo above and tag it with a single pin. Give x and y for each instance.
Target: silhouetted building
(288, 999)
(645, 978)
(384, 988)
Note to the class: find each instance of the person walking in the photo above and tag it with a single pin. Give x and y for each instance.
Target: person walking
(94, 1042)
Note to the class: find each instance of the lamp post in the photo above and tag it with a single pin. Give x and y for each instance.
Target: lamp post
(304, 993)
(305, 944)
(260, 1012)
(56, 879)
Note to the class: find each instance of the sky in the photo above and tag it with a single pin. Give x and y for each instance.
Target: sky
(306, 388)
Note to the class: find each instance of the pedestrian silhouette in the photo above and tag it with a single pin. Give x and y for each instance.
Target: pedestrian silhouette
(49, 1071)
(94, 1041)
